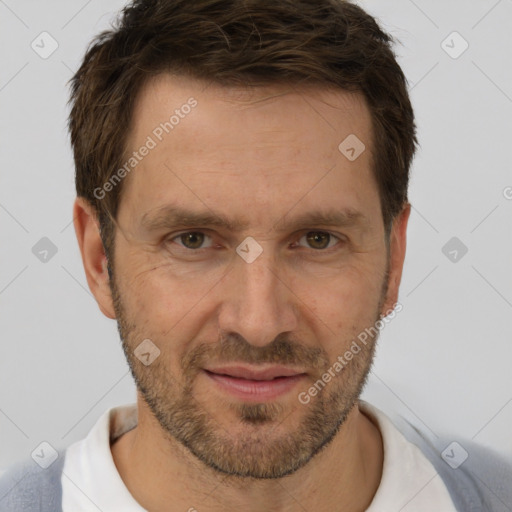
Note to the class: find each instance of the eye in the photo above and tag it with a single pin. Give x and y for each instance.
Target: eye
(319, 240)
(191, 239)
(194, 240)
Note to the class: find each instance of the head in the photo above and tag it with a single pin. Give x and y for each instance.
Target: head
(242, 173)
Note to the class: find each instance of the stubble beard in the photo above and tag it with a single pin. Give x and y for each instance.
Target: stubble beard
(261, 450)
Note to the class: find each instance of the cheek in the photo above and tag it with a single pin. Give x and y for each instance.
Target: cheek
(344, 304)
(164, 304)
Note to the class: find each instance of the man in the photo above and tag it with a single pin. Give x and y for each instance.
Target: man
(242, 172)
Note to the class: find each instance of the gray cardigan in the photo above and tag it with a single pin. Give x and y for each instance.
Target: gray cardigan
(482, 483)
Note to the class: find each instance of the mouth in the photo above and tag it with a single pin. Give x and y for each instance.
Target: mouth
(255, 384)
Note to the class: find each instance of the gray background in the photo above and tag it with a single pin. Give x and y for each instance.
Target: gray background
(443, 362)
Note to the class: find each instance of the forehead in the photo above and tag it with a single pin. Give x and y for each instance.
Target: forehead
(333, 107)
(238, 146)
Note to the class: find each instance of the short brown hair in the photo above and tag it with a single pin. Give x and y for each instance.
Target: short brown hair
(233, 43)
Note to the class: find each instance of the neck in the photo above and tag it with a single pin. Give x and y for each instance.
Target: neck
(158, 471)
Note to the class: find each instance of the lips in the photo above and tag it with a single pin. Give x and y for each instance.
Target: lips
(254, 384)
(247, 373)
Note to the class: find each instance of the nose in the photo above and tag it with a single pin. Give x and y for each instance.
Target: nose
(257, 302)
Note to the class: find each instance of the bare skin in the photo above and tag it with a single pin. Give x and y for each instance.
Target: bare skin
(257, 157)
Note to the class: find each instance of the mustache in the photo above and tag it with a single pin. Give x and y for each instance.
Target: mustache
(235, 348)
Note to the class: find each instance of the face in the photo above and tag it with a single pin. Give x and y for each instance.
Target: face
(251, 252)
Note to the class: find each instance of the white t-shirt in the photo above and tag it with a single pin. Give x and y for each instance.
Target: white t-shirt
(91, 482)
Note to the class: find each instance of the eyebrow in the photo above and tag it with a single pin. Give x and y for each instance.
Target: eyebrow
(171, 217)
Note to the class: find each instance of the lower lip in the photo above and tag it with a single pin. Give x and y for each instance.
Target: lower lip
(255, 390)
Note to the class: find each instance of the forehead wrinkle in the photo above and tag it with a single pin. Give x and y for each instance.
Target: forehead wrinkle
(245, 98)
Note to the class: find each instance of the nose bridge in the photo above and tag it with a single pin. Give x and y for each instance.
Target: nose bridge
(259, 306)
(260, 281)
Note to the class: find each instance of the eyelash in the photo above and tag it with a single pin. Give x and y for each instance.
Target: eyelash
(328, 250)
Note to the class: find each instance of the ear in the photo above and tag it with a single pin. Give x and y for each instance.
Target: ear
(397, 245)
(93, 254)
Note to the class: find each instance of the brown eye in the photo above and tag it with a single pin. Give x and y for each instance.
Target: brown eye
(320, 239)
(192, 240)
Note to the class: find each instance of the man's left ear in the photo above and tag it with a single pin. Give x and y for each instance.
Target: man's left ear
(397, 245)
(93, 255)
